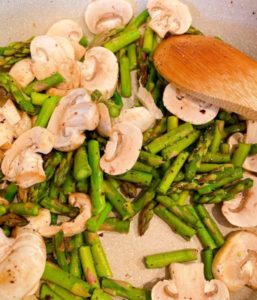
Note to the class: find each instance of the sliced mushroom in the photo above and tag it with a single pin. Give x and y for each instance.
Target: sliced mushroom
(242, 210)
(23, 125)
(234, 139)
(66, 28)
(66, 46)
(188, 282)
(70, 70)
(100, 71)
(74, 114)
(104, 15)
(57, 92)
(236, 262)
(146, 98)
(251, 134)
(71, 30)
(10, 112)
(22, 162)
(188, 108)
(22, 72)
(6, 133)
(169, 16)
(105, 124)
(122, 150)
(138, 116)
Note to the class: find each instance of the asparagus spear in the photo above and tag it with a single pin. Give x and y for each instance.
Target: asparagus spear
(181, 145)
(229, 118)
(24, 209)
(100, 259)
(207, 255)
(138, 177)
(240, 127)
(96, 179)
(217, 137)
(82, 169)
(59, 250)
(218, 158)
(146, 196)
(211, 226)
(128, 189)
(100, 295)
(174, 222)
(82, 186)
(19, 96)
(44, 84)
(164, 259)
(75, 265)
(151, 159)
(63, 169)
(155, 132)
(139, 166)
(124, 289)
(132, 56)
(38, 98)
(116, 225)
(65, 280)
(172, 173)
(83, 41)
(88, 266)
(95, 222)
(123, 40)
(58, 208)
(241, 154)
(195, 158)
(138, 20)
(46, 111)
(206, 168)
(145, 218)
(52, 163)
(10, 192)
(125, 79)
(172, 123)
(47, 293)
(224, 148)
(123, 207)
(68, 186)
(170, 138)
(3, 210)
(63, 293)
(148, 40)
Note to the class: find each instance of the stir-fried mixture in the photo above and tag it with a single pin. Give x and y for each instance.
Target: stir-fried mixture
(92, 136)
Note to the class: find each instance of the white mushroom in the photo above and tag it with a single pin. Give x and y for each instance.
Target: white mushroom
(22, 263)
(188, 108)
(188, 282)
(66, 46)
(122, 150)
(100, 71)
(22, 162)
(42, 222)
(23, 125)
(104, 15)
(22, 72)
(70, 71)
(10, 112)
(234, 139)
(6, 133)
(71, 30)
(146, 98)
(138, 116)
(251, 134)
(105, 124)
(169, 16)
(74, 114)
(236, 262)
(66, 28)
(242, 210)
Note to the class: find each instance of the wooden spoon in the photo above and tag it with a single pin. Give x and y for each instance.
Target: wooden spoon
(211, 70)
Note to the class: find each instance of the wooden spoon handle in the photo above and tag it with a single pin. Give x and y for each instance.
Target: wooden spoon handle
(211, 70)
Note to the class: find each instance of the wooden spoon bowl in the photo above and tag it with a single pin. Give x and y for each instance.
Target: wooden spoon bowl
(211, 70)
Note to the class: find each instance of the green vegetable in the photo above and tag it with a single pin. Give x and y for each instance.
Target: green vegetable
(46, 111)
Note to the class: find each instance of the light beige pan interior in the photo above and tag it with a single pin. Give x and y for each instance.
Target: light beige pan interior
(233, 20)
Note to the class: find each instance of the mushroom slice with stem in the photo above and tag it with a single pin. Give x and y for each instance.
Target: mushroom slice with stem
(188, 108)
(105, 124)
(100, 71)
(169, 16)
(10, 112)
(138, 116)
(188, 282)
(22, 263)
(74, 114)
(146, 98)
(22, 72)
(71, 30)
(22, 162)
(236, 262)
(122, 149)
(104, 15)
(242, 210)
